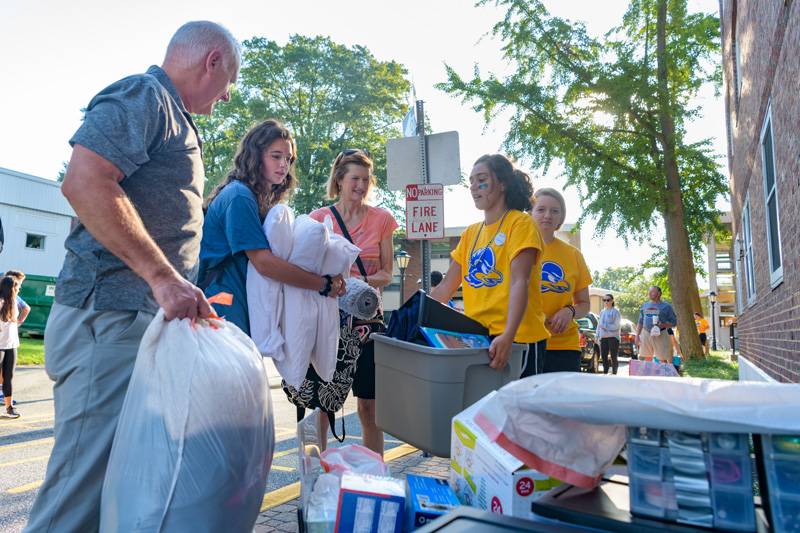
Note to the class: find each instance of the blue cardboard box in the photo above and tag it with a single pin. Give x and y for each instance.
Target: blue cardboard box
(427, 499)
(370, 503)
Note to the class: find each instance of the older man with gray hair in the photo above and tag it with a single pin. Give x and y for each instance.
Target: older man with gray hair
(135, 180)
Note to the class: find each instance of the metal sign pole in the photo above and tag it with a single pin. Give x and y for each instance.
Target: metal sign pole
(425, 245)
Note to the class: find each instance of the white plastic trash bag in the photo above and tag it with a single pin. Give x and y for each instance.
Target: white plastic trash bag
(183, 459)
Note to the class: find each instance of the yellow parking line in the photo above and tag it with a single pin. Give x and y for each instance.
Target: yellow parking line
(25, 488)
(290, 492)
(284, 452)
(282, 495)
(12, 463)
(26, 444)
(275, 467)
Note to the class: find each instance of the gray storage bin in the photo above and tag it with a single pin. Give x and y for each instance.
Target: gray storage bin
(419, 389)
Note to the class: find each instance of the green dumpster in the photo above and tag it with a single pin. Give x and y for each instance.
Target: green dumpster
(38, 292)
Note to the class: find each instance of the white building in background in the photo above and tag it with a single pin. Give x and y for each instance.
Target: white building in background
(36, 221)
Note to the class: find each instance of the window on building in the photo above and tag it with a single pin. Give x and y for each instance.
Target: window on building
(771, 201)
(34, 242)
(738, 252)
(749, 275)
(736, 50)
(724, 261)
(737, 65)
(725, 280)
(440, 250)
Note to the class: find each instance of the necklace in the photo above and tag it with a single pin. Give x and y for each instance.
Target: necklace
(471, 262)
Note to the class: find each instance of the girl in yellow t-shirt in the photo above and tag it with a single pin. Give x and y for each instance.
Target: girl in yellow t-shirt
(564, 284)
(494, 260)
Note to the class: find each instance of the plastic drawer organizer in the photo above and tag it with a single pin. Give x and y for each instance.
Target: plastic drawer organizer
(780, 460)
(702, 479)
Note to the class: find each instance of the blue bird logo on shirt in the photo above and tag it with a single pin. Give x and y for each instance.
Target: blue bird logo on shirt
(553, 278)
(481, 271)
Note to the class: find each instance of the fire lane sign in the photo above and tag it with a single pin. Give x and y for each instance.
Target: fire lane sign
(425, 211)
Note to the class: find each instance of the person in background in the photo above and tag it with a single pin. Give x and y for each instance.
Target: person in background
(262, 176)
(564, 283)
(371, 229)
(495, 260)
(673, 336)
(660, 315)
(135, 180)
(702, 330)
(9, 341)
(608, 327)
(23, 309)
(436, 279)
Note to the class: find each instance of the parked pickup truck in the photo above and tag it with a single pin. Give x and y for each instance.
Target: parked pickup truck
(590, 350)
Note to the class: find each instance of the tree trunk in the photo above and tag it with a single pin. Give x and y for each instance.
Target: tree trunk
(680, 264)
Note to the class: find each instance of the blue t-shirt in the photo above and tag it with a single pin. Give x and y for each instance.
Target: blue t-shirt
(231, 227)
(21, 304)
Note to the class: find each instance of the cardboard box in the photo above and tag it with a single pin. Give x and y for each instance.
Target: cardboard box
(370, 503)
(427, 499)
(484, 475)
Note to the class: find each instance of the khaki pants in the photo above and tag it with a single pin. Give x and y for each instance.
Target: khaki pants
(659, 346)
(90, 356)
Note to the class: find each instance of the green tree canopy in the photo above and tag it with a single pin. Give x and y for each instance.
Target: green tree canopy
(615, 279)
(331, 97)
(615, 111)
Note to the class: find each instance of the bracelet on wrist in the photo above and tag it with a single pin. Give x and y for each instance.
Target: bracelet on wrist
(571, 308)
(326, 285)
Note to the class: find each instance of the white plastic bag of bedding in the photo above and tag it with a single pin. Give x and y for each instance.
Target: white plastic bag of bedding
(181, 462)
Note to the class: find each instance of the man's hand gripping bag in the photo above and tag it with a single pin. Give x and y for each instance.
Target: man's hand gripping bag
(195, 438)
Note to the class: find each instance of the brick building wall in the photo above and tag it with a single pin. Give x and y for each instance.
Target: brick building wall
(764, 80)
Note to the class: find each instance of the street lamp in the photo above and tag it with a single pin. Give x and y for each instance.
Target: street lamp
(712, 297)
(402, 258)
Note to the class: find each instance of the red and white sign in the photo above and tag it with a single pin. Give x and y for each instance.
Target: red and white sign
(425, 211)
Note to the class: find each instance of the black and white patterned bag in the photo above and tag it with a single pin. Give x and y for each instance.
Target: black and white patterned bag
(330, 396)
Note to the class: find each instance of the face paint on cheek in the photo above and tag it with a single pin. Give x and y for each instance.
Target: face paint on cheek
(483, 186)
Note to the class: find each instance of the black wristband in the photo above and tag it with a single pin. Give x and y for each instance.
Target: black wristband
(326, 289)
(571, 308)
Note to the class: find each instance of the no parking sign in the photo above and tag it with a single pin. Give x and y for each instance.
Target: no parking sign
(425, 211)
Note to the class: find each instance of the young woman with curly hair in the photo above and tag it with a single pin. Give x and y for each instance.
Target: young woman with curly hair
(261, 177)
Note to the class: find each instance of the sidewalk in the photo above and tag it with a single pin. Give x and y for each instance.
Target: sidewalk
(282, 515)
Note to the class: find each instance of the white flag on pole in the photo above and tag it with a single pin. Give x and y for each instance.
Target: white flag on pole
(410, 123)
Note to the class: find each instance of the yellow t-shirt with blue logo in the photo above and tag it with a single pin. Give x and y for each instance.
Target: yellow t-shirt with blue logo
(485, 254)
(564, 271)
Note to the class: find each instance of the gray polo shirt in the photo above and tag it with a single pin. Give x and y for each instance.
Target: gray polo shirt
(140, 124)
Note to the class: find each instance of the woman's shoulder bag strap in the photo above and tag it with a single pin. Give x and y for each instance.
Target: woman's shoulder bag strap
(347, 236)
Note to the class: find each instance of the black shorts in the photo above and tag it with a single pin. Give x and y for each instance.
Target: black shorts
(562, 361)
(364, 377)
(703, 339)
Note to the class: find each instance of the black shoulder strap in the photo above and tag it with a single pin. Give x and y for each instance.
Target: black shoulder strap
(347, 236)
(212, 273)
